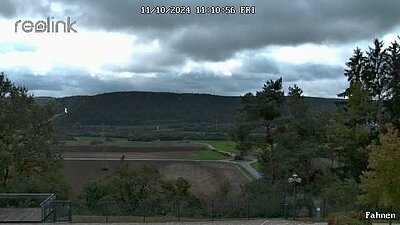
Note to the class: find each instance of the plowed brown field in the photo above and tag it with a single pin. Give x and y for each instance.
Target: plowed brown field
(204, 177)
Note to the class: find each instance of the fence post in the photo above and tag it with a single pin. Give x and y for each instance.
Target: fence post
(54, 206)
(42, 213)
(248, 209)
(106, 211)
(212, 210)
(70, 211)
(285, 215)
(143, 211)
(178, 210)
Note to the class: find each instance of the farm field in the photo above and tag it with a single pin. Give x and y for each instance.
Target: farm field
(228, 146)
(124, 142)
(207, 155)
(174, 159)
(204, 176)
(99, 147)
(115, 152)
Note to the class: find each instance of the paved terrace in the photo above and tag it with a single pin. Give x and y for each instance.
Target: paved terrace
(241, 222)
(20, 214)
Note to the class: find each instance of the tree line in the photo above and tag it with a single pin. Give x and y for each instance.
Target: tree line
(348, 157)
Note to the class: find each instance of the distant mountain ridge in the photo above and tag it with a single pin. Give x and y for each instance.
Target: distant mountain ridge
(147, 108)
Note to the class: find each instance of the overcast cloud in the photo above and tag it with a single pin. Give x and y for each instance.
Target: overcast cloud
(307, 42)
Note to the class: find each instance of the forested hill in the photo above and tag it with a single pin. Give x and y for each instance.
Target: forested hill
(150, 108)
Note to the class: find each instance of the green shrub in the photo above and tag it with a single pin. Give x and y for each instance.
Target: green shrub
(340, 196)
(351, 218)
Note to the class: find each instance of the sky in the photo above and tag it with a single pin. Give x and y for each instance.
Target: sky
(116, 48)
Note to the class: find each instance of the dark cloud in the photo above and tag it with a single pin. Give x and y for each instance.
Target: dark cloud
(7, 8)
(75, 82)
(311, 72)
(152, 62)
(260, 65)
(217, 37)
(210, 38)
(254, 63)
(40, 8)
(83, 84)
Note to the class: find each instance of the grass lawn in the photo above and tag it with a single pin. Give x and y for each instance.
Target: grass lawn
(257, 166)
(207, 155)
(228, 146)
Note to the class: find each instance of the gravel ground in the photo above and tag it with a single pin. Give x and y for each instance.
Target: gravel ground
(241, 222)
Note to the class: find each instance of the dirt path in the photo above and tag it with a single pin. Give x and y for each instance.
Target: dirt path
(250, 169)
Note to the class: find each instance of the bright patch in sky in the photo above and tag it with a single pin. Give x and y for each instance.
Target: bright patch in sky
(85, 50)
(309, 53)
(56, 7)
(225, 68)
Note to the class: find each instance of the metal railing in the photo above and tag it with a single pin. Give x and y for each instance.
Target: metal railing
(41, 207)
(47, 209)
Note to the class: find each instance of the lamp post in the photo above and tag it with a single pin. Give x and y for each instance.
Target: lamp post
(294, 180)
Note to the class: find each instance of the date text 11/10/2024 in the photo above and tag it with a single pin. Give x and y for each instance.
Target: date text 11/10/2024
(201, 10)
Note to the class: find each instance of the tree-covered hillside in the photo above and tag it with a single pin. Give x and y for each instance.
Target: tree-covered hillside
(152, 108)
(142, 108)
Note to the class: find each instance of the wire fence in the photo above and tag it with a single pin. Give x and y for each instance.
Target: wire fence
(48, 209)
(187, 210)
